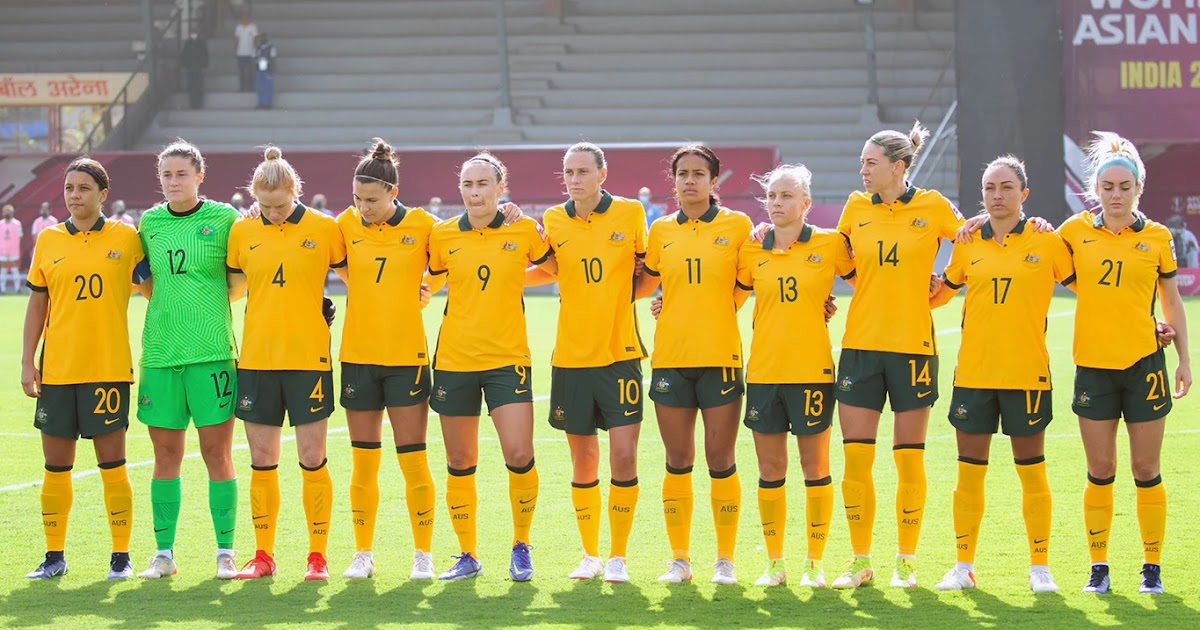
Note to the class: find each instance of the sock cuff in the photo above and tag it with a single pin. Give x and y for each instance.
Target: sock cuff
(1101, 482)
(410, 448)
(863, 441)
(224, 483)
(1031, 461)
(1148, 484)
(366, 445)
(763, 483)
(671, 470)
(315, 468)
(823, 481)
(973, 461)
(908, 447)
(520, 470)
(58, 469)
(631, 483)
(460, 472)
(722, 474)
(111, 465)
(590, 484)
(264, 468)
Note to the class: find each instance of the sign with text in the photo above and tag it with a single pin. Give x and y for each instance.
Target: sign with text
(85, 88)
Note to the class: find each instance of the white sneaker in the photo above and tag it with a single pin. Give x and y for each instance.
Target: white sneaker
(422, 566)
(615, 571)
(1041, 582)
(361, 567)
(589, 568)
(680, 571)
(723, 572)
(958, 579)
(774, 575)
(226, 569)
(160, 566)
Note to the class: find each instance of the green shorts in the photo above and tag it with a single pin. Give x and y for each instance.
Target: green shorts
(802, 408)
(460, 393)
(305, 395)
(1017, 412)
(699, 387)
(866, 378)
(202, 392)
(84, 410)
(585, 399)
(374, 387)
(1140, 392)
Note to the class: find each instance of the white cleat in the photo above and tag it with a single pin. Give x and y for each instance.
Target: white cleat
(723, 572)
(361, 567)
(957, 579)
(589, 568)
(226, 569)
(814, 575)
(422, 568)
(160, 566)
(905, 573)
(1040, 581)
(774, 575)
(615, 570)
(680, 571)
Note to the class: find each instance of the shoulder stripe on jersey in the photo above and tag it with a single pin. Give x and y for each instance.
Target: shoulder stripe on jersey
(437, 272)
(229, 269)
(34, 287)
(947, 282)
(544, 257)
(744, 287)
(1170, 274)
(339, 265)
(853, 272)
(1069, 280)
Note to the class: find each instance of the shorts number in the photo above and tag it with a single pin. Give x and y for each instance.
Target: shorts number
(1158, 385)
(999, 296)
(787, 289)
(521, 372)
(593, 270)
(382, 260)
(91, 286)
(891, 257)
(485, 275)
(107, 401)
(1109, 266)
(221, 383)
(174, 263)
(630, 390)
(1033, 402)
(923, 376)
(693, 276)
(814, 402)
(278, 279)
(318, 392)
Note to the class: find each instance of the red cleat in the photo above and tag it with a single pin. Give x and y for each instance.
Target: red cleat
(261, 565)
(318, 569)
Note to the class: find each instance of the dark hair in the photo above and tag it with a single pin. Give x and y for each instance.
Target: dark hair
(1017, 166)
(705, 153)
(93, 168)
(490, 160)
(379, 166)
(588, 147)
(900, 147)
(184, 149)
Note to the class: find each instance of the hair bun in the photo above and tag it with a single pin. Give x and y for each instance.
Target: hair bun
(272, 153)
(381, 150)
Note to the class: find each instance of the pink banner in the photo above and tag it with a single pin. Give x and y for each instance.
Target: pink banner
(1189, 281)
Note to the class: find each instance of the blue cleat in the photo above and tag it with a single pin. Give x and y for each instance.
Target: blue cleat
(466, 568)
(521, 567)
(1098, 582)
(1151, 579)
(54, 566)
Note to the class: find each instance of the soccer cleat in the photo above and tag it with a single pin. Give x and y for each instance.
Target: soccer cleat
(422, 568)
(260, 566)
(589, 568)
(520, 568)
(466, 567)
(226, 569)
(1098, 581)
(956, 579)
(160, 566)
(905, 574)
(773, 576)
(361, 567)
(723, 572)
(858, 573)
(814, 575)
(679, 571)
(318, 568)
(615, 570)
(1041, 582)
(54, 565)
(1151, 579)
(119, 566)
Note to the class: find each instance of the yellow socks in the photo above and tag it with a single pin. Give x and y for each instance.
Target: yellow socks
(461, 499)
(264, 505)
(57, 496)
(585, 497)
(118, 499)
(622, 501)
(725, 494)
(522, 494)
(1152, 517)
(678, 499)
(968, 506)
(1097, 516)
(858, 493)
(1037, 508)
(772, 509)
(317, 491)
(818, 510)
(364, 492)
(418, 493)
(910, 495)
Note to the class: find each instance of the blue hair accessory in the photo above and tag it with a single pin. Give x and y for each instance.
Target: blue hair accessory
(1119, 160)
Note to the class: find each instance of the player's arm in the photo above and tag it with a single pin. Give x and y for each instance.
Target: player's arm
(548, 264)
(236, 281)
(1176, 318)
(35, 322)
(646, 284)
(536, 276)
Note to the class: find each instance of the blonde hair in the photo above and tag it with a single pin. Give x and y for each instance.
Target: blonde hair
(274, 173)
(899, 147)
(1109, 149)
(796, 172)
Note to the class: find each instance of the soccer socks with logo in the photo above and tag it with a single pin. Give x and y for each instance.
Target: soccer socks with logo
(461, 500)
(118, 500)
(165, 495)
(858, 493)
(57, 495)
(678, 500)
(418, 493)
(317, 493)
(264, 506)
(910, 495)
(585, 497)
(1098, 515)
(622, 501)
(1152, 517)
(725, 494)
(222, 505)
(522, 494)
(772, 510)
(1037, 507)
(364, 491)
(818, 509)
(968, 506)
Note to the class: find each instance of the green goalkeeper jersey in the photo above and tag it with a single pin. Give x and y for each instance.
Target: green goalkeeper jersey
(188, 320)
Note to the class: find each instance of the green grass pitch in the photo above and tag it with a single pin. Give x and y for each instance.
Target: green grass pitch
(194, 598)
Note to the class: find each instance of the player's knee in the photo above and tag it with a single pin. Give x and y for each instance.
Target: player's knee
(623, 463)
(519, 457)
(813, 469)
(771, 470)
(1144, 469)
(461, 459)
(719, 459)
(1104, 468)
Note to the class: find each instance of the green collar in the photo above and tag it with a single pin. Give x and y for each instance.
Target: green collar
(905, 198)
(987, 233)
(293, 218)
(464, 222)
(707, 217)
(1138, 224)
(396, 218)
(601, 208)
(805, 233)
(72, 230)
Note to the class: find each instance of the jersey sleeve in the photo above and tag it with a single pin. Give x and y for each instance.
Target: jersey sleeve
(539, 246)
(437, 264)
(843, 262)
(638, 221)
(745, 268)
(950, 220)
(140, 261)
(1167, 263)
(844, 221)
(955, 275)
(653, 248)
(233, 256)
(1060, 256)
(36, 280)
(337, 246)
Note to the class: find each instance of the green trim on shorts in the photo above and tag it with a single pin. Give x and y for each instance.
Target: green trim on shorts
(83, 410)
(174, 397)
(461, 393)
(266, 395)
(583, 400)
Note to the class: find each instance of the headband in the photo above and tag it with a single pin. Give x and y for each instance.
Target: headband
(390, 185)
(886, 151)
(1119, 160)
(491, 163)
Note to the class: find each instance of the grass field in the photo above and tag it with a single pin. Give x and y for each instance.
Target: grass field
(194, 599)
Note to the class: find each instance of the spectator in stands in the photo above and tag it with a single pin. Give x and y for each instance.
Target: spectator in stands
(246, 34)
(653, 211)
(435, 207)
(320, 204)
(1187, 248)
(120, 214)
(10, 249)
(238, 202)
(194, 60)
(265, 81)
(44, 220)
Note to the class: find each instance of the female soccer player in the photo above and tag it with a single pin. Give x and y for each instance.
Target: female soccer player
(1010, 275)
(1121, 260)
(694, 254)
(597, 370)
(385, 367)
(82, 268)
(188, 371)
(285, 368)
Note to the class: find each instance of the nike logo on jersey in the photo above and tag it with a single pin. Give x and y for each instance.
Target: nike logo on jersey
(976, 261)
(59, 260)
(666, 245)
(254, 247)
(454, 250)
(763, 263)
(357, 241)
(1088, 240)
(152, 236)
(559, 246)
(863, 224)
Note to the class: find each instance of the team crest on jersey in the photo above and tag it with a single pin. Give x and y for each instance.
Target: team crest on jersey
(918, 223)
(662, 386)
(40, 417)
(206, 233)
(309, 244)
(348, 390)
(510, 246)
(245, 404)
(439, 394)
(1142, 247)
(617, 238)
(407, 240)
(1083, 400)
(752, 414)
(559, 414)
(114, 255)
(845, 384)
(960, 412)
(720, 240)
(1032, 259)
(814, 259)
